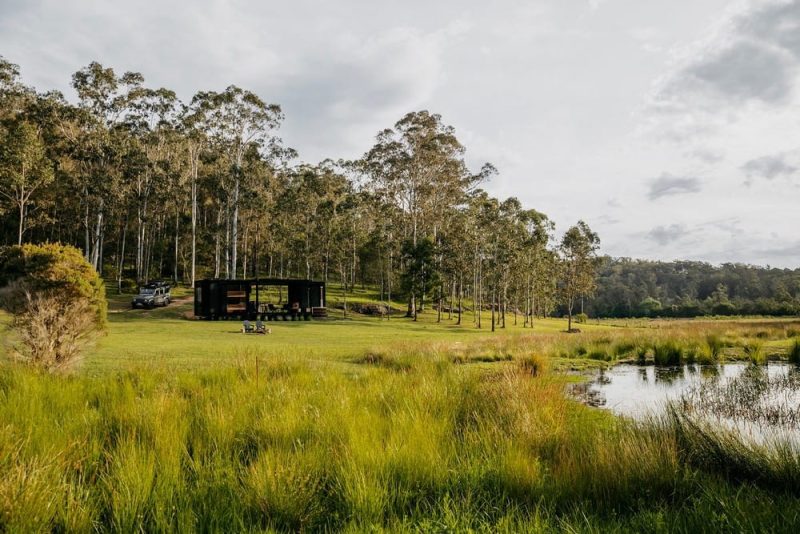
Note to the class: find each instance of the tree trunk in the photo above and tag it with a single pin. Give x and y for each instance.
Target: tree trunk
(121, 264)
(194, 217)
(439, 311)
(494, 296)
(460, 295)
(235, 224)
(177, 228)
(21, 221)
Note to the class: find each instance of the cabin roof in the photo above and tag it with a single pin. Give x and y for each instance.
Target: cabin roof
(264, 281)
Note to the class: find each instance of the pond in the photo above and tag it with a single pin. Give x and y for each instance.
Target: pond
(757, 401)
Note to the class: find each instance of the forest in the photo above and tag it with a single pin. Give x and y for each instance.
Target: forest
(151, 187)
(641, 288)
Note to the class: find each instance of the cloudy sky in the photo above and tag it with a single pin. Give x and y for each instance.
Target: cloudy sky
(671, 126)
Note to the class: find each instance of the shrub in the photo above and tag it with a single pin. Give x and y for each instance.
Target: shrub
(581, 318)
(53, 269)
(57, 300)
(52, 332)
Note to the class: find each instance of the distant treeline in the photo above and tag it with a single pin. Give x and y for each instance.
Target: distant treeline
(640, 288)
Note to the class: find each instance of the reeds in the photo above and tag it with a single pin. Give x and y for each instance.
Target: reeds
(754, 352)
(794, 352)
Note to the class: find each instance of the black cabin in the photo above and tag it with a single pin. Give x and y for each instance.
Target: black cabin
(259, 298)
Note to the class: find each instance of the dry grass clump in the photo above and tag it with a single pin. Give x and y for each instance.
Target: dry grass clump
(51, 333)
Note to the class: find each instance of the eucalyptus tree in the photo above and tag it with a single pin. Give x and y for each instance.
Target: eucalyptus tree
(24, 167)
(9, 75)
(194, 142)
(418, 166)
(14, 96)
(98, 145)
(236, 119)
(335, 200)
(578, 250)
(420, 274)
(535, 256)
(257, 208)
(151, 121)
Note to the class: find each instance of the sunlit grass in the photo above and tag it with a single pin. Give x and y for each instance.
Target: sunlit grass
(364, 424)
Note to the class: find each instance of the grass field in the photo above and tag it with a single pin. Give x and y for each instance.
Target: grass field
(367, 425)
(163, 337)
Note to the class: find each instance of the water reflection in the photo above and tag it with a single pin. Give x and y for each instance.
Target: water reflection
(709, 371)
(757, 401)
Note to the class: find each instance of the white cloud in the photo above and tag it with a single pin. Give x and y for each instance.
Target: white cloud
(770, 167)
(668, 185)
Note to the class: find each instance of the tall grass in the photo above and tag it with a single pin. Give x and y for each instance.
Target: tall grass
(754, 351)
(429, 445)
(667, 353)
(794, 352)
(449, 436)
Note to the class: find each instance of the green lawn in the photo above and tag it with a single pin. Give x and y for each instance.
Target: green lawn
(167, 337)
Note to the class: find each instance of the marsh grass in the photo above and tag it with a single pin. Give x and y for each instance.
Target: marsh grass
(754, 352)
(667, 353)
(305, 447)
(714, 449)
(794, 352)
(359, 428)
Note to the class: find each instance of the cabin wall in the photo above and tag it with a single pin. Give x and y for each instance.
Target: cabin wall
(236, 298)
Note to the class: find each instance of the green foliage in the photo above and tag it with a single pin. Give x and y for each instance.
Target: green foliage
(650, 306)
(57, 301)
(52, 269)
(420, 274)
(24, 167)
(581, 318)
(578, 250)
(691, 289)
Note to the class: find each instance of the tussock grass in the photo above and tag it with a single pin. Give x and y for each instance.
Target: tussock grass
(302, 447)
(775, 465)
(754, 352)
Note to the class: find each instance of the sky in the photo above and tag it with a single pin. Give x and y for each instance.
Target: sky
(672, 127)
